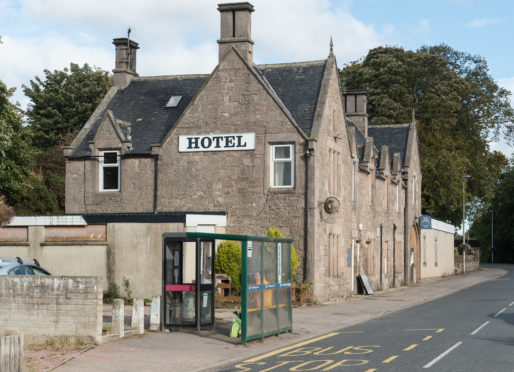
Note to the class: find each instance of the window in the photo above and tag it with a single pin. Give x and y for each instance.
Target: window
(282, 166)
(173, 101)
(110, 171)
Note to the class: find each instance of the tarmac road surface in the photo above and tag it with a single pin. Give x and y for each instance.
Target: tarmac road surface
(182, 351)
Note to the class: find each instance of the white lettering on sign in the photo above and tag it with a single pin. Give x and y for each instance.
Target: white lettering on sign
(216, 142)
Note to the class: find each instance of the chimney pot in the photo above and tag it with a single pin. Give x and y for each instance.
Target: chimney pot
(236, 29)
(125, 61)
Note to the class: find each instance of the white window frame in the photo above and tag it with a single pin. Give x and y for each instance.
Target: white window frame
(273, 161)
(103, 165)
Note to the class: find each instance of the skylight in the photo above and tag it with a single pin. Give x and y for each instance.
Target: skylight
(174, 100)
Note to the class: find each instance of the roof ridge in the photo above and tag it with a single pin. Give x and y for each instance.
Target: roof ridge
(287, 64)
(169, 77)
(389, 126)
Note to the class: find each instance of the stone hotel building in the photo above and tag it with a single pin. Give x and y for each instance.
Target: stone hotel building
(253, 146)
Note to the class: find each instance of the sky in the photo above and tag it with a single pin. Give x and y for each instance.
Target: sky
(179, 36)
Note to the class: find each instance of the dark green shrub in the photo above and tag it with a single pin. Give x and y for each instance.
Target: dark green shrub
(228, 261)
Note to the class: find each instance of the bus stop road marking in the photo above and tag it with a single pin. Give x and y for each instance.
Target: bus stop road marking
(390, 359)
(279, 351)
(410, 347)
(437, 330)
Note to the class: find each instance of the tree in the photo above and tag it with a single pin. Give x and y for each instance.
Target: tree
(457, 104)
(6, 212)
(63, 102)
(500, 208)
(16, 155)
(60, 105)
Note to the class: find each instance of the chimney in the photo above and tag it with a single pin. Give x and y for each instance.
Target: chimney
(236, 28)
(125, 64)
(355, 108)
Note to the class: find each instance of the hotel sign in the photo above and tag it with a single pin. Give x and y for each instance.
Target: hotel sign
(216, 142)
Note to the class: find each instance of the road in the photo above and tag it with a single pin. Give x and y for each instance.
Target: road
(471, 330)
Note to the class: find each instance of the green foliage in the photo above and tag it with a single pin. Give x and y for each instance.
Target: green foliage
(126, 288)
(457, 104)
(228, 261)
(6, 212)
(38, 199)
(17, 157)
(63, 101)
(274, 232)
(32, 168)
(500, 210)
(113, 291)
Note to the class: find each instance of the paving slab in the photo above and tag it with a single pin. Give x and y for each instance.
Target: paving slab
(187, 351)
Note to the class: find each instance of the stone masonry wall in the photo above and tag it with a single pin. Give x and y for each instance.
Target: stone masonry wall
(331, 271)
(238, 182)
(59, 306)
(83, 193)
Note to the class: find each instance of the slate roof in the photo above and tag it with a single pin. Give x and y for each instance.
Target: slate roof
(142, 102)
(394, 136)
(297, 85)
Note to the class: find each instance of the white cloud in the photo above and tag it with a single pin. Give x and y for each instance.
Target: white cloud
(175, 37)
(23, 59)
(482, 22)
(423, 26)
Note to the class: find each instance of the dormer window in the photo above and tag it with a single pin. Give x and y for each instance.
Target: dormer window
(173, 101)
(110, 171)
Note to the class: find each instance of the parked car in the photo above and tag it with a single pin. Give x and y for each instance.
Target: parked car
(19, 266)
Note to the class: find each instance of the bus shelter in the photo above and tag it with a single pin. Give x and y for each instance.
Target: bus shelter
(189, 283)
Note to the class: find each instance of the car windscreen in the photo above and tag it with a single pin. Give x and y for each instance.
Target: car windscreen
(21, 270)
(39, 271)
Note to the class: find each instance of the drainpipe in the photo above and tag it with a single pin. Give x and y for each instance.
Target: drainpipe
(405, 231)
(155, 181)
(394, 255)
(381, 256)
(306, 215)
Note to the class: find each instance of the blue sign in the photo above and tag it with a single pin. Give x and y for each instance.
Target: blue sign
(425, 222)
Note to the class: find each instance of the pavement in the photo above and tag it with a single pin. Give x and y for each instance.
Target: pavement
(188, 351)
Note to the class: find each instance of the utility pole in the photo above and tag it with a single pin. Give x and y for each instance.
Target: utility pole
(464, 222)
(492, 235)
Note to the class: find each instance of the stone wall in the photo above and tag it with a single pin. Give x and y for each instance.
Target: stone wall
(238, 182)
(60, 306)
(472, 261)
(123, 250)
(11, 353)
(62, 250)
(83, 193)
